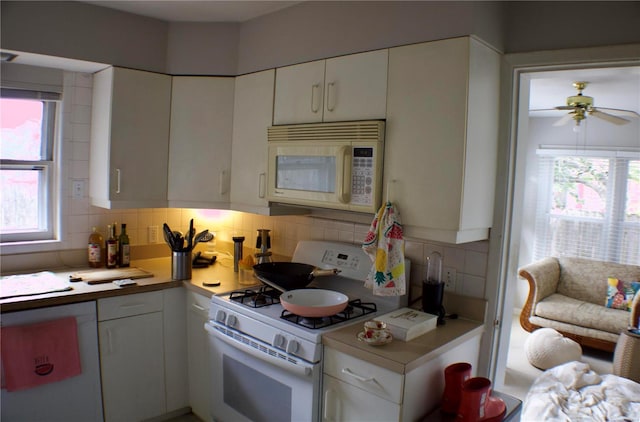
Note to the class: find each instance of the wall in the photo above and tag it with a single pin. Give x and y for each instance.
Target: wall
(202, 48)
(315, 30)
(83, 31)
(307, 31)
(550, 25)
(469, 260)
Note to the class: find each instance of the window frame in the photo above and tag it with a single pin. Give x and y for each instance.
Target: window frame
(49, 205)
(613, 221)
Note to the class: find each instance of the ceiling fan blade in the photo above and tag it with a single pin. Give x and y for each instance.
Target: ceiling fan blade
(609, 117)
(564, 120)
(629, 113)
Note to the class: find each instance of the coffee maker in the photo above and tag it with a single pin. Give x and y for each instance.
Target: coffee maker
(433, 287)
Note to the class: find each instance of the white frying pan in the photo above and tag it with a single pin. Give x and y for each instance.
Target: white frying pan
(314, 302)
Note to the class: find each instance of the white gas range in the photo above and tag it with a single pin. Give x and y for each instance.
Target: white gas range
(266, 363)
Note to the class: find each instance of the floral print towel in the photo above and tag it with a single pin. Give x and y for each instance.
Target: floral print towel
(385, 246)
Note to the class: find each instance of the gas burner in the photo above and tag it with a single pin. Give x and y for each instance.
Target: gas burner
(256, 298)
(355, 308)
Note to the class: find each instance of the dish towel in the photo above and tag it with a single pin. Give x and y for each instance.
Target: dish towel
(40, 353)
(385, 246)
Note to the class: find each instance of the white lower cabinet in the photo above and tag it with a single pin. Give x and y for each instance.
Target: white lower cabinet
(198, 362)
(357, 390)
(132, 356)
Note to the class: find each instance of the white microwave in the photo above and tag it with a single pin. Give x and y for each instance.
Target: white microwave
(327, 165)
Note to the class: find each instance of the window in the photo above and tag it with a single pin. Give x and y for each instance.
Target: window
(589, 205)
(27, 133)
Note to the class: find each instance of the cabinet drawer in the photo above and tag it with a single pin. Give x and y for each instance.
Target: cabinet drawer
(379, 381)
(198, 304)
(128, 305)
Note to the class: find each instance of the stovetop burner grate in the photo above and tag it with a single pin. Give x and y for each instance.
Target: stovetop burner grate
(256, 298)
(355, 309)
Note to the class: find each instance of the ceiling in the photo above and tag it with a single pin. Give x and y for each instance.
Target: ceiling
(198, 10)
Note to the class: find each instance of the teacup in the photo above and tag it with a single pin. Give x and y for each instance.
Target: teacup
(375, 330)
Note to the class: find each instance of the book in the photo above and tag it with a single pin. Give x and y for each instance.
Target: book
(406, 324)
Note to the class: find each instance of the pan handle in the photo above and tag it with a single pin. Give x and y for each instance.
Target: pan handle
(269, 283)
(319, 272)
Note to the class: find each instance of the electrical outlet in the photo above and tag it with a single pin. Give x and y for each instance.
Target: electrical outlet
(449, 274)
(77, 189)
(152, 234)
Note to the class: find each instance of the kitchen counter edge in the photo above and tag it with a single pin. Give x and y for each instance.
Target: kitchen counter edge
(403, 357)
(160, 267)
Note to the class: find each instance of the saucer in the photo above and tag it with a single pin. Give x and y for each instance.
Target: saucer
(385, 339)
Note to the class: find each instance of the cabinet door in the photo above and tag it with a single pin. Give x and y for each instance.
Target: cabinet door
(200, 142)
(198, 361)
(437, 161)
(129, 139)
(344, 402)
(356, 87)
(252, 114)
(174, 321)
(132, 366)
(299, 93)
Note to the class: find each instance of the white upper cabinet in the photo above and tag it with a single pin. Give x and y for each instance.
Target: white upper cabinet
(441, 138)
(129, 139)
(352, 87)
(252, 114)
(299, 93)
(253, 110)
(200, 142)
(356, 87)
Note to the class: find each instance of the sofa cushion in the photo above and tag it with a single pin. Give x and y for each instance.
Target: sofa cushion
(620, 293)
(585, 279)
(577, 312)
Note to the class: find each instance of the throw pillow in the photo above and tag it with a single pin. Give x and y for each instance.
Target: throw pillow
(620, 293)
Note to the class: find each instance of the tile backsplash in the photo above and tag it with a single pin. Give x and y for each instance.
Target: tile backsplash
(78, 216)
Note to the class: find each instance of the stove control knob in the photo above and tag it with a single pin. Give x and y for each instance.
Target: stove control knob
(220, 316)
(292, 347)
(232, 321)
(279, 341)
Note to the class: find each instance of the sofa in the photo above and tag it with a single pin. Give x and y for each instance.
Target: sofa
(570, 295)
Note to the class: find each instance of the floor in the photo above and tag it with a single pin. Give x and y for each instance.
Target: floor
(186, 418)
(520, 374)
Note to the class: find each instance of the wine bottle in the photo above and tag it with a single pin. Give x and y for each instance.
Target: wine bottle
(112, 248)
(94, 248)
(124, 253)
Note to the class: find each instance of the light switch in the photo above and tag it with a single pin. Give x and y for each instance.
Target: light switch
(77, 189)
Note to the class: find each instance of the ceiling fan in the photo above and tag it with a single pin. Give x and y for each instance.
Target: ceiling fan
(581, 106)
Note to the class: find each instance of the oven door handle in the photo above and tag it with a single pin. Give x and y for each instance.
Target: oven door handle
(290, 367)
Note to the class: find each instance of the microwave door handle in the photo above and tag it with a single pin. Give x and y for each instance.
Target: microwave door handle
(262, 185)
(344, 184)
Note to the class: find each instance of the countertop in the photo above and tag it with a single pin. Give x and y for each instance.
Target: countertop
(221, 270)
(400, 356)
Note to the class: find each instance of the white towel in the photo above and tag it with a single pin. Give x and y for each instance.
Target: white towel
(385, 246)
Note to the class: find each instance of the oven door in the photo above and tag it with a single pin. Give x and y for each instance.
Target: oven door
(253, 381)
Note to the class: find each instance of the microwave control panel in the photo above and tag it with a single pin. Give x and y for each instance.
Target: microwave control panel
(362, 176)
